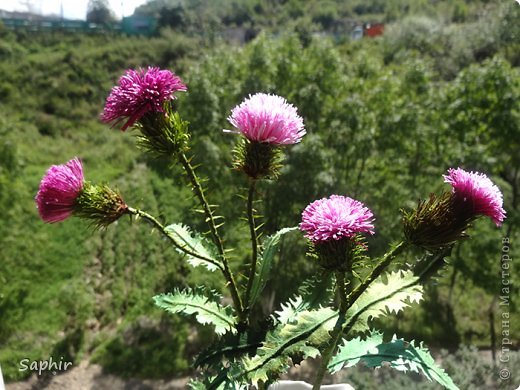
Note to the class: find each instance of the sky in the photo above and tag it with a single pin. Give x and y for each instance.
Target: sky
(72, 9)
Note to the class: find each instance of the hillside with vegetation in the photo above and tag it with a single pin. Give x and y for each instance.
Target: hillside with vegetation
(385, 118)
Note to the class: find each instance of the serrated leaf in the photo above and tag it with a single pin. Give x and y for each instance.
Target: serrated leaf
(207, 309)
(313, 293)
(398, 353)
(195, 243)
(300, 333)
(297, 339)
(265, 261)
(389, 293)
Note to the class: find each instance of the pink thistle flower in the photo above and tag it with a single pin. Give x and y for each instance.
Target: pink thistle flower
(140, 92)
(269, 119)
(478, 192)
(335, 218)
(59, 189)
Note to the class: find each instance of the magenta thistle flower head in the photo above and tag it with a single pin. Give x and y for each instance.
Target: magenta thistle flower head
(476, 191)
(59, 189)
(140, 92)
(268, 119)
(335, 218)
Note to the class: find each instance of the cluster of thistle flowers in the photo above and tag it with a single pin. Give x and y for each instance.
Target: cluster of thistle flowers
(334, 225)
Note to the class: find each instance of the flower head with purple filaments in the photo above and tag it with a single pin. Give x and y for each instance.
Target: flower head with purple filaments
(268, 119)
(335, 218)
(140, 92)
(478, 191)
(59, 189)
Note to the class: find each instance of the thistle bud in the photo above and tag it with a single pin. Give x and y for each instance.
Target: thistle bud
(436, 223)
(257, 159)
(100, 204)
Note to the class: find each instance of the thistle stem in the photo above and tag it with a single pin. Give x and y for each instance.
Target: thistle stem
(336, 333)
(155, 223)
(254, 243)
(378, 269)
(210, 220)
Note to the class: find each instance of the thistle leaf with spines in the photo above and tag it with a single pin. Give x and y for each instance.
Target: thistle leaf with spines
(299, 339)
(300, 333)
(399, 354)
(204, 304)
(389, 293)
(195, 243)
(312, 294)
(265, 261)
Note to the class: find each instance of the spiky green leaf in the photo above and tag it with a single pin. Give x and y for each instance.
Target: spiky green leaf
(313, 293)
(195, 243)
(297, 339)
(401, 355)
(265, 261)
(389, 293)
(207, 309)
(300, 333)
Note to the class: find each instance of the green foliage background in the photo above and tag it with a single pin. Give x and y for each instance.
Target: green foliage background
(385, 119)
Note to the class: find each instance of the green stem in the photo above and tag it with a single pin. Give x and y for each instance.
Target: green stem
(154, 222)
(210, 219)
(336, 333)
(378, 269)
(254, 243)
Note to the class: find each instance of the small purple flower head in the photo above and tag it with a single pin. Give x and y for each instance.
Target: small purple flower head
(478, 192)
(140, 92)
(335, 218)
(59, 189)
(268, 119)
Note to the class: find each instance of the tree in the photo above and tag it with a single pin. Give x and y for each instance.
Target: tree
(98, 11)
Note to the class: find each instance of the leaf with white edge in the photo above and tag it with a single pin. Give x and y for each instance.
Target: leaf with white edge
(196, 243)
(352, 351)
(298, 339)
(207, 310)
(401, 355)
(265, 261)
(313, 293)
(290, 309)
(388, 293)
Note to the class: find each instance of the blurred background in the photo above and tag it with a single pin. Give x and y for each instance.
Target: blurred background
(392, 92)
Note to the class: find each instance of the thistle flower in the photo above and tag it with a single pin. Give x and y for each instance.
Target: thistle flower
(140, 92)
(334, 226)
(64, 192)
(442, 220)
(335, 218)
(477, 192)
(268, 119)
(59, 189)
